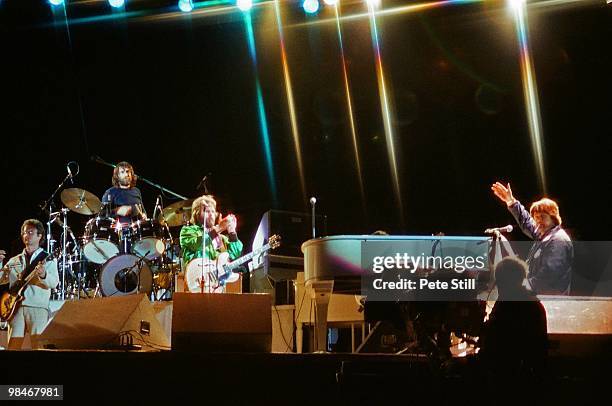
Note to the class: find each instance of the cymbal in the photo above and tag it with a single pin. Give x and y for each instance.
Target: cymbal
(81, 201)
(177, 214)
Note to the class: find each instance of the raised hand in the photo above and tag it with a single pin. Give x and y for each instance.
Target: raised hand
(504, 193)
(228, 223)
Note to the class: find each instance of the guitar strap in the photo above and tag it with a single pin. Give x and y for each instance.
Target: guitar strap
(28, 269)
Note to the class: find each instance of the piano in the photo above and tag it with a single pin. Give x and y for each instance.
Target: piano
(334, 264)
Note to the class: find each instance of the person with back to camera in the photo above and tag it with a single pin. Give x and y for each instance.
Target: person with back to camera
(514, 340)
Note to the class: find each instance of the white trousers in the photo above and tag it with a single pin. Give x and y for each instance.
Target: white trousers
(31, 320)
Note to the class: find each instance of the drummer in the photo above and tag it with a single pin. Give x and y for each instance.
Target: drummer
(124, 200)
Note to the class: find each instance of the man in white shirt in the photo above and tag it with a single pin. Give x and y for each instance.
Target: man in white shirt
(32, 314)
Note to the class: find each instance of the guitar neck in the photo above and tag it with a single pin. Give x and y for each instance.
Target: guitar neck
(246, 258)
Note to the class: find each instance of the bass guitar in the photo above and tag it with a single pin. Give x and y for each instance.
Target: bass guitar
(211, 276)
(11, 299)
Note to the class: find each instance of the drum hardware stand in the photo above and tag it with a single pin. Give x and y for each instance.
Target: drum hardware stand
(64, 242)
(47, 208)
(50, 241)
(138, 264)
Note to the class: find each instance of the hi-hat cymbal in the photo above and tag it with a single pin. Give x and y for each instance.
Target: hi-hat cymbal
(81, 201)
(177, 214)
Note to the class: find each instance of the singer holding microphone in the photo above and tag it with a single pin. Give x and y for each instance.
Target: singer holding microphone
(551, 256)
(204, 224)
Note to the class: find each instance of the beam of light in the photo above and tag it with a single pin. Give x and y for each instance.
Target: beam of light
(261, 110)
(186, 6)
(289, 92)
(56, 2)
(386, 112)
(63, 21)
(205, 8)
(411, 8)
(349, 104)
(530, 92)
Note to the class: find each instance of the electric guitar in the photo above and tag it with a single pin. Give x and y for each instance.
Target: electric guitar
(10, 300)
(211, 276)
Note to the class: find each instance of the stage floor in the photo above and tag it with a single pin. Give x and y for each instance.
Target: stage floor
(231, 378)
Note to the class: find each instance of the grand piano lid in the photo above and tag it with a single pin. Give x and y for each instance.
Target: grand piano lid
(370, 237)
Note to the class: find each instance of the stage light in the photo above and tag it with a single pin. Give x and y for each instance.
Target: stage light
(311, 6)
(56, 2)
(244, 5)
(373, 3)
(330, 2)
(185, 5)
(515, 4)
(116, 3)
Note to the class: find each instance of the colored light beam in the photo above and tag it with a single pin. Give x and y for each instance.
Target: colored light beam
(261, 110)
(349, 104)
(386, 112)
(289, 91)
(530, 92)
(411, 8)
(64, 22)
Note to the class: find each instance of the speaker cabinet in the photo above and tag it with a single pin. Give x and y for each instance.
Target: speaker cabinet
(105, 323)
(226, 322)
(294, 228)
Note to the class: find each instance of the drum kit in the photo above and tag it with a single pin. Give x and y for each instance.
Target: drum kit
(111, 258)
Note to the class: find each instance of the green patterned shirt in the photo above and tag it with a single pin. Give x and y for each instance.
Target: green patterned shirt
(191, 244)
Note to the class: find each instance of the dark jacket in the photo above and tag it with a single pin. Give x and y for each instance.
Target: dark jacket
(550, 258)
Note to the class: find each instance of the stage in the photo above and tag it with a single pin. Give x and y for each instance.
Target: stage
(230, 378)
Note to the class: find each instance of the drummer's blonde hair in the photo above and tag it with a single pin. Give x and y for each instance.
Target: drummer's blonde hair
(196, 206)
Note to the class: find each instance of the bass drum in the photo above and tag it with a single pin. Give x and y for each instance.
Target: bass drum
(125, 275)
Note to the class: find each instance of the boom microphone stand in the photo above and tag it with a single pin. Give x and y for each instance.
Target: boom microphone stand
(155, 185)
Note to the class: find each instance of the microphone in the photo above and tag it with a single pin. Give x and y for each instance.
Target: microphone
(97, 159)
(506, 229)
(313, 201)
(69, 173)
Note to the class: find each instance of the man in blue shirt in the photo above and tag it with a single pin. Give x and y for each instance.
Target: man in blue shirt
(124, 200)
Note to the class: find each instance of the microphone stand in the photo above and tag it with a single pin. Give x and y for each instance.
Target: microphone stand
(202, 282)
(128, 271)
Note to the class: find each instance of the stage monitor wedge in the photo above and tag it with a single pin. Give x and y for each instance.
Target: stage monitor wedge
(105, 323)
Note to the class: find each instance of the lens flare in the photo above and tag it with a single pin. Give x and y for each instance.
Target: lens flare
(530, 91)
(349, 104)
(261, 110)
(244, 5)
(386, 112)
(290, 103)
(185, 6)
(116, 3)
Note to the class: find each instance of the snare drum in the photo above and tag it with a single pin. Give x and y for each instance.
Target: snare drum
(125, 275)
(149, 238)
(101, 239)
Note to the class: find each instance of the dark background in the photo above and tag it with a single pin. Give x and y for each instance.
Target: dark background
(176, 98)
